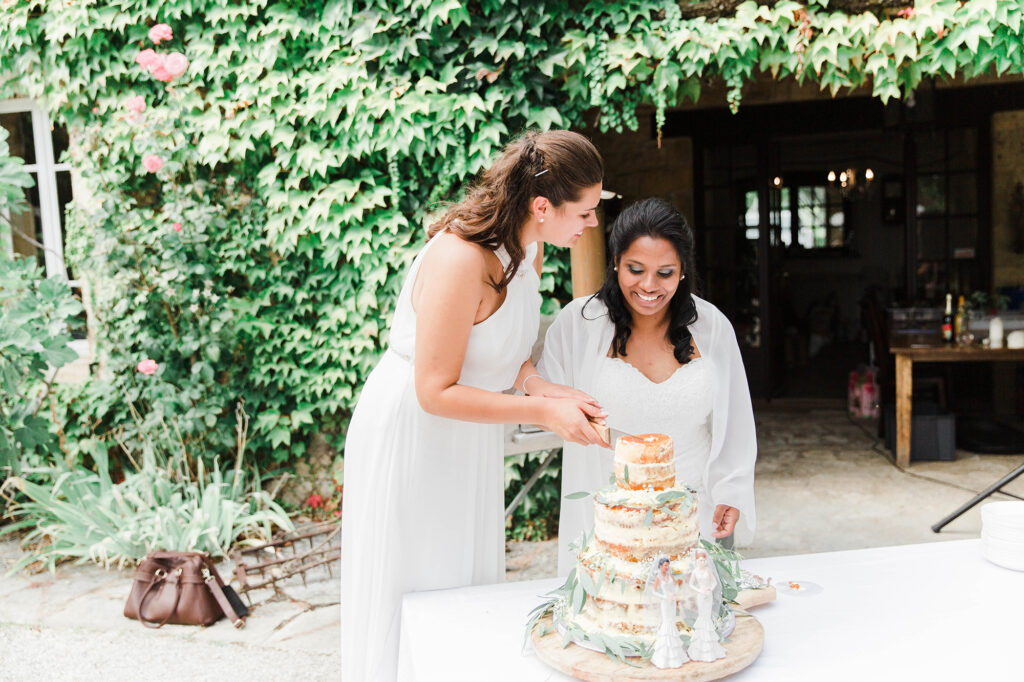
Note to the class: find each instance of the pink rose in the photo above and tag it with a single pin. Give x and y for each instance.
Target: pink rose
(144, 58)
(176, 226)
(160, 32)
(152, 163)
(161, 74)
(136, 104)
(176, 63)
(147, 367)
(158, 67)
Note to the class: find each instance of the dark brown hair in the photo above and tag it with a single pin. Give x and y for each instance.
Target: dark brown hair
(658, 219)
(557, 165)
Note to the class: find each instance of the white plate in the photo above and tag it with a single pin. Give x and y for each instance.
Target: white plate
(1007, 513)
(797, 588)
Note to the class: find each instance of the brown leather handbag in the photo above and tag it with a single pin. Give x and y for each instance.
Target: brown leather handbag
(181, 588)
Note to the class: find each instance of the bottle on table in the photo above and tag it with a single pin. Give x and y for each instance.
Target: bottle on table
(960, 321)
(947, 320)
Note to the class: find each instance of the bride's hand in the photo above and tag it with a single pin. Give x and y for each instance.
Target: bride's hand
(570, 419)
(724, 520)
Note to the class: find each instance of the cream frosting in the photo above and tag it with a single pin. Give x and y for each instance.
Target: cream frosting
(631, 529)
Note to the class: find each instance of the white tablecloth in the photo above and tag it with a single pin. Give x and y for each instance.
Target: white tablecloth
(936, 611)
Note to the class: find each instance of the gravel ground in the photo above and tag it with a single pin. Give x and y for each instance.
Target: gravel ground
(31, 654)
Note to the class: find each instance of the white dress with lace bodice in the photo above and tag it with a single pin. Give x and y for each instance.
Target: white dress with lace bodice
(679, 406)
(704, 406)
(424, 495)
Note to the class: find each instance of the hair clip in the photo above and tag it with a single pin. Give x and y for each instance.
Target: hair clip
(537, 175)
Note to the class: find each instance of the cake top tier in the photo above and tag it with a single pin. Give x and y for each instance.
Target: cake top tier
(645, 461)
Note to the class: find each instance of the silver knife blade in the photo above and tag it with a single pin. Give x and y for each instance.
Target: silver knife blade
(608, 433)
(616, 434)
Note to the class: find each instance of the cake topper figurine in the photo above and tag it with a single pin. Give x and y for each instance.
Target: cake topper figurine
(704, 642)
(663, 588)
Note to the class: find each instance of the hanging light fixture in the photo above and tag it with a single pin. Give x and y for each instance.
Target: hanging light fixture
(851, 183)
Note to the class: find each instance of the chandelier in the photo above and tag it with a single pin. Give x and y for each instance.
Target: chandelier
(850, 183)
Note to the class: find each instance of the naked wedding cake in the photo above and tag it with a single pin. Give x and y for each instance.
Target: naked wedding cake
(641, 517)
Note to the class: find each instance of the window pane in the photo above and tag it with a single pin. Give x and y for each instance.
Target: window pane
(963, 237)
(60, 142)
(931, 279)
(19, 129)
(931, 238)
(931, 195)
(963, 194)
(752, 215)
(63, 198)
(27, 227)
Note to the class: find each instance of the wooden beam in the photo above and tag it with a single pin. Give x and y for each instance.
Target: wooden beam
(904, 407)
(587, 260)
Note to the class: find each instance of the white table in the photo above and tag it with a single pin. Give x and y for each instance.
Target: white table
(935, 611)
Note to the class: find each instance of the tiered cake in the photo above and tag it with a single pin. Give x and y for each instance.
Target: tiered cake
(642, 516)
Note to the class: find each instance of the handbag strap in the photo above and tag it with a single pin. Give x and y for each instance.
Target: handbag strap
(213, 581)
(159, 577)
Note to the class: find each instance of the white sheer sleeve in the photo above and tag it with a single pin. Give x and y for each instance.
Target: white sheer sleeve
(556, 361)
(734, 451)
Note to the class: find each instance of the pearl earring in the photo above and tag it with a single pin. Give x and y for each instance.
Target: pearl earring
(540, 220)
(681, 278)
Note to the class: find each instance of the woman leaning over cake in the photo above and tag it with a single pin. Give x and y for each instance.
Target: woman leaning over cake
(424, 491)
(659, 360)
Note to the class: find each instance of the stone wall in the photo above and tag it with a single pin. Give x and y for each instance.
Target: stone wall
(637, 168)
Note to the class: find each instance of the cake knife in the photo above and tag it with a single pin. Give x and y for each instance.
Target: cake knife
(609, 434)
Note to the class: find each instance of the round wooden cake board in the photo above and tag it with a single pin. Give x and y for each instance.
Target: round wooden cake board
(742, 649)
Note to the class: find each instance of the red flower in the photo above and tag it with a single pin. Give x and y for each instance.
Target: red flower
(176, 226)
(314, 501)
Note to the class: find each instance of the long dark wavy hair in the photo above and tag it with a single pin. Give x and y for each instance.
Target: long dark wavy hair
(557, 165)
(658, 219)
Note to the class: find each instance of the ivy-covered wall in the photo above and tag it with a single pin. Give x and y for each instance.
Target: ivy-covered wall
(245, 230)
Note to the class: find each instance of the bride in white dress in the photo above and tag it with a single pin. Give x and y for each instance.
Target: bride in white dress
(423, 505)
(658, 359)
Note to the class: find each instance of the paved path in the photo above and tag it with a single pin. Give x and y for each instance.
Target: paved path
(70, 626)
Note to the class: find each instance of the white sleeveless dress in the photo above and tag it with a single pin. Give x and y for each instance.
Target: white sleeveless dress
(424, 495)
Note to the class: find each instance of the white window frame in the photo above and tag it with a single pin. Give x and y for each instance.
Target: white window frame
(45, 169)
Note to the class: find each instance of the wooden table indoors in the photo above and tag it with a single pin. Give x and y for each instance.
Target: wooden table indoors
(906, 356)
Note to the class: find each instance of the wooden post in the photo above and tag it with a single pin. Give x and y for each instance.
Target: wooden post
(587, 260)
(904, 407)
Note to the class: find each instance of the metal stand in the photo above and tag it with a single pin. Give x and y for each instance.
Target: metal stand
(995, 487)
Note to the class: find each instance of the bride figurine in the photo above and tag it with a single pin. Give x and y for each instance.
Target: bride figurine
(662, 585)
(704, 643)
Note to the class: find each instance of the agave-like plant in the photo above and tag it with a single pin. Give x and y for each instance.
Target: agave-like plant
(168, 503)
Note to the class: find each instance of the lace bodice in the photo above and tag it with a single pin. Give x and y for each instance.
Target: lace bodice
(680, 406)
